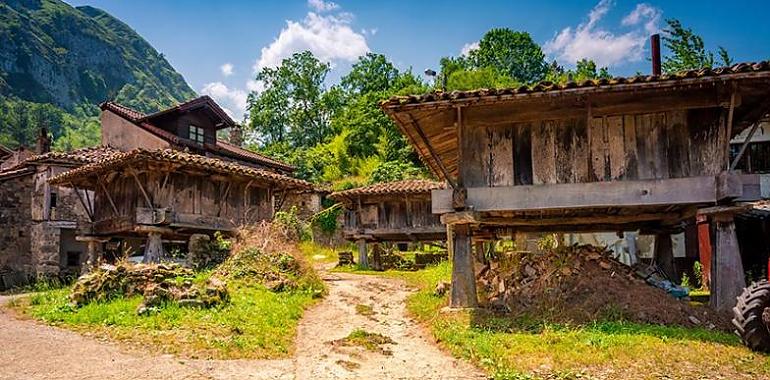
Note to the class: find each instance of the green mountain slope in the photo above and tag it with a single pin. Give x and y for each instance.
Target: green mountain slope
(53, 53)
(57, 62)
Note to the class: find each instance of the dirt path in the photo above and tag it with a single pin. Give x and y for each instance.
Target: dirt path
(34, 351)
(413, 356)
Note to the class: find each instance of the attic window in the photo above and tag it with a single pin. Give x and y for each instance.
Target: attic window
(196, 134)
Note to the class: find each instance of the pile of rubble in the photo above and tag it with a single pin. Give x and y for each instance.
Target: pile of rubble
(265, 255)
(582, 284)
(157, 283)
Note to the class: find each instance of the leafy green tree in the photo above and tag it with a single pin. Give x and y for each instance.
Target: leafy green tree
(511, 53)
(79, 133)
(371, 73)
(687, 50)
(485, 77)
(294, 105)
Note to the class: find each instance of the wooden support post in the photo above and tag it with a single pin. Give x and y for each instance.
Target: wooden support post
(664, 256)
(363, 260)
(463, 276)
(377, 257)
(449, 241)
(727, 277)
(153, 249)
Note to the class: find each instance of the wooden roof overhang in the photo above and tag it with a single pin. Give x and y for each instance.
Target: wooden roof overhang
(86, 177)
(430, 121)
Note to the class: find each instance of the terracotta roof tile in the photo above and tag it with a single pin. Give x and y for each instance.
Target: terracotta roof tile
(409, 186)
(548, 87)
(174, 156)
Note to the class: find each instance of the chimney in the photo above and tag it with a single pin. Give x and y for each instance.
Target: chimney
(236, 135)
(655, 50)
(43, 141)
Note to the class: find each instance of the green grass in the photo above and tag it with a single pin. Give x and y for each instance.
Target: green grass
(370, 341)
(527, 348)
(257, 323)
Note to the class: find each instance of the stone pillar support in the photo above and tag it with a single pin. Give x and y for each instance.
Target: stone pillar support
(363, 260)
(153, 249)
(727, 276)
(94, 252)
(463, 277)
(664, 255)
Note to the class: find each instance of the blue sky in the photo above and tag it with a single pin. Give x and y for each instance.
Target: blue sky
(217, 45)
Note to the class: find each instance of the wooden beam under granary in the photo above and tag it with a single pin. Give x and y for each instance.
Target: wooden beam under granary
(641, 153)
(397, 211)
(173, 194)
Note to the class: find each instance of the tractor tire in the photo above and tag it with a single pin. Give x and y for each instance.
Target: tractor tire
(748, 316)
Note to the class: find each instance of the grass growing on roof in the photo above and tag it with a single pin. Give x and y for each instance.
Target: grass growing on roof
(528, 348)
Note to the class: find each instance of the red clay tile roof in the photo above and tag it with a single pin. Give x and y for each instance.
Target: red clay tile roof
(13, 173)
(221, 147)
(701, 75)
(121, 159)
(193, 103)
(235, 150)
(77, 156)
(409, 186)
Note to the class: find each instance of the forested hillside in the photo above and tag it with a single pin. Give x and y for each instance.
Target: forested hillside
(58, 62)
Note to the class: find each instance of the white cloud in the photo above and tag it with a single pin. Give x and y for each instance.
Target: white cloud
(468, 47)
(645, 13)
(322, 6)
(232, 100)
(329, 37)
(588, 40)
(227, 69)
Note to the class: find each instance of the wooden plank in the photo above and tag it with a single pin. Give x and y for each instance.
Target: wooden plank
(581, 151)
(523, 154)
(476, 164)
(660, 145)
(500, 157)
(597, 147)
(678, 144)
(629, 146)
(544, 153)
(616, 147)
(691, 190)
(644, 151)
(565, 152)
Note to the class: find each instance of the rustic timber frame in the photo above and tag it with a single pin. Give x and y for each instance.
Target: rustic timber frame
(397, 211)
(172, 194)
(642, 153)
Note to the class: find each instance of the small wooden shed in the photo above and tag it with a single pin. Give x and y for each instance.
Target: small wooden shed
(171, 194)
(397, 211)
(644, 153)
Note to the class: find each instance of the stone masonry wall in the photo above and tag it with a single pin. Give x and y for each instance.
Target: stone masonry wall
(15, 223)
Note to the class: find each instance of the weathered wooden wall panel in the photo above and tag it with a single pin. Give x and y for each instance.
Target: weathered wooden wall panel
(544, 152)
(522, 161)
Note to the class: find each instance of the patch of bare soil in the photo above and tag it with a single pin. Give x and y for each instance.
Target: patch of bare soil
(336, 342)
(34, 351)
(582, 284)
(337, 339)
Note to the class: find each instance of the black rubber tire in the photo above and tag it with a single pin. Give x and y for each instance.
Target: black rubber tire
(747, 316)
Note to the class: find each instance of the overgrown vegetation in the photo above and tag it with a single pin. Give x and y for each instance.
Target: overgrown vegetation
(269, 285)
(529, 348)
(370, 341)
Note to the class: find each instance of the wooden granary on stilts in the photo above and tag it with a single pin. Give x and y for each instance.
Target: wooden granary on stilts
(397, 211)
(168, 194)
(647, 153)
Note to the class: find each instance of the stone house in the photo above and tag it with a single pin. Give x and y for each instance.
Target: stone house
(39, 221)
